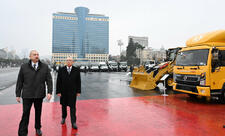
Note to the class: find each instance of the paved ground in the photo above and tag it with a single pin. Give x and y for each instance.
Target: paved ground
(8, 77)
(95, 85)
(174, 115)
(109, 107)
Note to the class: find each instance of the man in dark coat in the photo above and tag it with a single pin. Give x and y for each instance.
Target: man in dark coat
(31, 87)
(68, 88)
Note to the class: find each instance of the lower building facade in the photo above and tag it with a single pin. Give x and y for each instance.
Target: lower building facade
(60, 58)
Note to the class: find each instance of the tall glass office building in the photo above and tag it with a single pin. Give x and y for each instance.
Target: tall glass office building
(81, 35)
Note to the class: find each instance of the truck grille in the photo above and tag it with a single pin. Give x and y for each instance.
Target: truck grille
(193, 80)
(187, 88)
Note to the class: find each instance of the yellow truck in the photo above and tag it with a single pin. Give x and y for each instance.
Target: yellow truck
(200, 66)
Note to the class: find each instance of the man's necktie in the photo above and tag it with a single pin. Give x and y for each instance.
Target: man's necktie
(35, 67)
(69, 70)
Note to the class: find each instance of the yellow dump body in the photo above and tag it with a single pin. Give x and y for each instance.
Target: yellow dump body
(215, 38)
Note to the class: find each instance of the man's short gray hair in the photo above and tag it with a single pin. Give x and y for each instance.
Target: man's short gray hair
(33, 51)
(69, 58)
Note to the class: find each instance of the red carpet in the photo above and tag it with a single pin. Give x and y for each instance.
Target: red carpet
(136, 116)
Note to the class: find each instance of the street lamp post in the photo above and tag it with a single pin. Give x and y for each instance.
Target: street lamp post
(120, 43)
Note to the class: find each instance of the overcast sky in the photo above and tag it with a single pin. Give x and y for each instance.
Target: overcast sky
(27, 24)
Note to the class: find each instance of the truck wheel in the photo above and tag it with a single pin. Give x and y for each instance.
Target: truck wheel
(169, 82)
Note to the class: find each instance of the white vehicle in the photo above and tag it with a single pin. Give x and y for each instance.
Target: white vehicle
(94, 68)
(103, 67)
(150, 64)
(123, 66)
(83, 69)
(113, 66)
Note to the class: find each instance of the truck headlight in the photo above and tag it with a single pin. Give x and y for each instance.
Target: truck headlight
(203, 79)
(202, 91)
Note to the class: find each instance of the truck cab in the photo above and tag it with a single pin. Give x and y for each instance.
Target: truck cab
(200, 66)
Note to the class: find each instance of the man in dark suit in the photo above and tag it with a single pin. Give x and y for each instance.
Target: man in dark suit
(68, 88)
(31, 87)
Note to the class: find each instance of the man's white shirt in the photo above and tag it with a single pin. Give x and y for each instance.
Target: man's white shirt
(35, 64)
(69, 69)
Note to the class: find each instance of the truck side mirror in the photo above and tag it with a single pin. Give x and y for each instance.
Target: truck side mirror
(215, 55)
(215, 59)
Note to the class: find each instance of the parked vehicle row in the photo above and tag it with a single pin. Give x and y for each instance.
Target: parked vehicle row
(104, 67)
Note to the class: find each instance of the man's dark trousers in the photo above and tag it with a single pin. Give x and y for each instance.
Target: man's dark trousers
(72, 113)
(27, 104)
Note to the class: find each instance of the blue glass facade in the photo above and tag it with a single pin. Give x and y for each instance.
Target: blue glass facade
(80, 32)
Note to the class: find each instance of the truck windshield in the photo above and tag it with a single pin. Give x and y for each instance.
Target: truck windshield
(192, 58)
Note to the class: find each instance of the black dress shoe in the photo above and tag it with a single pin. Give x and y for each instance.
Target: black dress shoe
(63, 121)
(74, 126)
(38, 132)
